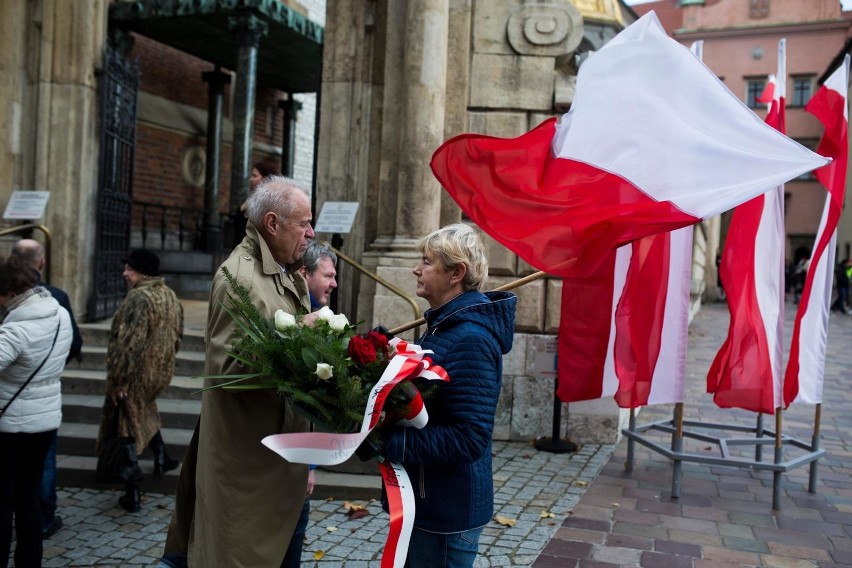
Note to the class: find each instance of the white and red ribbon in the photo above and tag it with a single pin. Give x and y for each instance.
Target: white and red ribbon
(329, 448)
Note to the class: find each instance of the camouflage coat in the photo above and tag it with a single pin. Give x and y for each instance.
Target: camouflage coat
(145, 336)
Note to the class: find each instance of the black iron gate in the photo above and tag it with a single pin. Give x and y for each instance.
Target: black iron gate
(119, 86)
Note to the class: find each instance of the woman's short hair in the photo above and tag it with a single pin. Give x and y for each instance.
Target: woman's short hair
(276, 194)
(16, 276)
(459, 244)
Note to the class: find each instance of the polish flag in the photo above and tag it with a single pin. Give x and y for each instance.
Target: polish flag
(653, 142)
(804, 376)
(746, 372)
(632, 347)
(623, 330)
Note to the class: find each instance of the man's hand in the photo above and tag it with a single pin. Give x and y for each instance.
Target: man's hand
(311, 483)
(309, 319)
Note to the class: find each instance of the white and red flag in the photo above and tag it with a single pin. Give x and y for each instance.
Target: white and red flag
(653, 142)
(625, 325)
(623, 328)
(746, 372)
(804, 376)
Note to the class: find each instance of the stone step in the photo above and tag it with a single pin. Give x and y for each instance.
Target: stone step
(78, 439)
(79, 381)
(79, 471)
(187, 363)
(97, 335)
(86, 409)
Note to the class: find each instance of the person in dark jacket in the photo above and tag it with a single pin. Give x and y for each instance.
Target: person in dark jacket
(841, 275)
(449, 460)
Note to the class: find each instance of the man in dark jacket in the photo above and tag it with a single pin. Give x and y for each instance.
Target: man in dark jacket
(32, 253)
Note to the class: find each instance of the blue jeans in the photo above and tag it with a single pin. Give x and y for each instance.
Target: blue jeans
(293, 558)
(438, 550)
(48, 487)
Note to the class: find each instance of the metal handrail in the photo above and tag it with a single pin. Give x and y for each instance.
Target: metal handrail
(358, 266)
(43, 229)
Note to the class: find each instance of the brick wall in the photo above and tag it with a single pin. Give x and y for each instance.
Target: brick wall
(161, 150)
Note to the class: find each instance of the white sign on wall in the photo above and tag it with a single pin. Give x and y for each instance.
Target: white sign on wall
(26, 205)
(545, 348)
(336, 217)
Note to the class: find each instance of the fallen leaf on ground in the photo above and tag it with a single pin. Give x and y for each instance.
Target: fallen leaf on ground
(546, 515)
(331, 529)
(319, 554)
(615, 505)
(353, 506)
(356, 514)
(582, 483)
(505, 521)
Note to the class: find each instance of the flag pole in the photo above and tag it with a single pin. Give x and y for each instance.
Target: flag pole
(677, 449)
(779, 456)
(812, 478)
(504, 288)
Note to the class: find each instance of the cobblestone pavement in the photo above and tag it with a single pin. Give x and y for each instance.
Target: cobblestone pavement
(724, 516)
(527, 483)
(603, 517)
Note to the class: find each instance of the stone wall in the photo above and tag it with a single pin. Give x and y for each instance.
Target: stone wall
(399, 79)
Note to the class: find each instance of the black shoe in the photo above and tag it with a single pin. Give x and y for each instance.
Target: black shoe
(163, 463)
(52, 528)
(131, 501)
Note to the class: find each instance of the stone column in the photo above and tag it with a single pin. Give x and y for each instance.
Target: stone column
(216, 81)
(249, 30)
(291, 109)
(59, 133)
(422, 119)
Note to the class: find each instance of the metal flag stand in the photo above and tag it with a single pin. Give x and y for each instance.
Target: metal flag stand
(681, 429)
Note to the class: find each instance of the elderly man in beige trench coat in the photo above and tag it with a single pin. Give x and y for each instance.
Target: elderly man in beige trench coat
(248, 498)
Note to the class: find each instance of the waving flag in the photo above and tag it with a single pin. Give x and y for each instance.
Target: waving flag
(653, 142)
(746, 372)
(624, 327)
(804, 376)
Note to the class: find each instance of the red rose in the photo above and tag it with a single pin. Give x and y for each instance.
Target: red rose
(380, 342)
(362, 350)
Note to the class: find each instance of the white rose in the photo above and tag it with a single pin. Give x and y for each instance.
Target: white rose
(283, 320)
(338, 322)
(323, 371)
(325, 313)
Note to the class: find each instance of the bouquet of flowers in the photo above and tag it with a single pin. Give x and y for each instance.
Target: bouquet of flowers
(326, 369)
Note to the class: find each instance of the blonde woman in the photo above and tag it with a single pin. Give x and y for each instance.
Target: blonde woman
(449, 461)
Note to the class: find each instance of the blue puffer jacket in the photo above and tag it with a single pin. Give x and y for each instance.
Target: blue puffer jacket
(449, 461)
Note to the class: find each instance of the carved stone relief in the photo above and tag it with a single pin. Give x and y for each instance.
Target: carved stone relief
(545, 29)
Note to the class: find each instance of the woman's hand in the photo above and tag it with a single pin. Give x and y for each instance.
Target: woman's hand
(118, 394)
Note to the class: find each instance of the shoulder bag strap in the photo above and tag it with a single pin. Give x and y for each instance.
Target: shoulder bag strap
(55, 335)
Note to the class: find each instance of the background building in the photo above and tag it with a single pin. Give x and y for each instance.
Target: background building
(741, 46)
